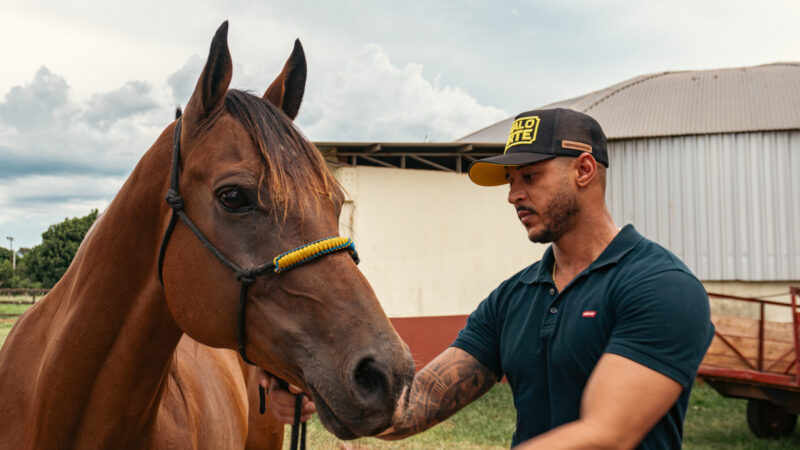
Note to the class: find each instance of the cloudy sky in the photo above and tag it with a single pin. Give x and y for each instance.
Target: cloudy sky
(87, 85)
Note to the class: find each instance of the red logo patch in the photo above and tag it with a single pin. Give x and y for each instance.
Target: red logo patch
(589, 313)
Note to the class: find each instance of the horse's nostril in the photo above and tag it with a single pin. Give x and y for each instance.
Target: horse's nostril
(371, 381)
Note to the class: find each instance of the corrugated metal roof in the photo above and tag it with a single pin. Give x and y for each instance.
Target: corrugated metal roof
(758, 98)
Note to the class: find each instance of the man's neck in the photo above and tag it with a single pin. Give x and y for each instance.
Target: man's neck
(581, 245)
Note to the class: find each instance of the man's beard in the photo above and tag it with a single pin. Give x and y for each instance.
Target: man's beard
(558, 216)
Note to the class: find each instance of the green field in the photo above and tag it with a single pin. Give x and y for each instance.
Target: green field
(713, 422)
(716, 422)
(7, 323)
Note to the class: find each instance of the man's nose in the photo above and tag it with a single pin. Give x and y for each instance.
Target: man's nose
(515, 194)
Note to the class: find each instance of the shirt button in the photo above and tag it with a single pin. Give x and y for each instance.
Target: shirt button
(553, 310)
(552, 291)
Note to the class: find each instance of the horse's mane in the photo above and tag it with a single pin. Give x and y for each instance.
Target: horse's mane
(295, 174)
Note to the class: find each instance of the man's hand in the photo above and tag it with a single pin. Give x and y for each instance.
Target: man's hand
(444, 386)
(281, 402)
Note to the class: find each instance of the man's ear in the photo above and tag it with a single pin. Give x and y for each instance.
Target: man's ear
(586, 168)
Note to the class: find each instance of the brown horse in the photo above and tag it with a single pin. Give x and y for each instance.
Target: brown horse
(111, 358)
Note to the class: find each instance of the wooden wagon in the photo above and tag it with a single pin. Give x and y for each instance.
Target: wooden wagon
(758, 360)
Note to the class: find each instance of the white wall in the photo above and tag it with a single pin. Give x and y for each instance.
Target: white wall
(431, 243)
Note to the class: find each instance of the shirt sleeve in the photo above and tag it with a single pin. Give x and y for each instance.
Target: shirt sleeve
(480, 337)
(663, 322)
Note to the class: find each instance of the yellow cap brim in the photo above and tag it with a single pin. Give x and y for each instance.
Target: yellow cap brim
(487, 174)
(492, 171)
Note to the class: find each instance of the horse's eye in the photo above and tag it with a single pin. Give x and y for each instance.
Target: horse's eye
(233, 200)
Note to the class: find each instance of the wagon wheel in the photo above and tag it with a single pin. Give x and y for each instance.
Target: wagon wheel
(769, 421)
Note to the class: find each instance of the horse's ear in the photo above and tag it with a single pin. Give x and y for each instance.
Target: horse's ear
(286, 92)
(208, 97)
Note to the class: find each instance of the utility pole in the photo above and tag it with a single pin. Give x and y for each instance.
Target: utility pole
(13, 255)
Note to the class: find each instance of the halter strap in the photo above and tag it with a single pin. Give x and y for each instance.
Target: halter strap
(246, 276)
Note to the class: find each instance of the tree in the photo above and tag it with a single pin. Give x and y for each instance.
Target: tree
(47, 262)
(6, 273)
(5, 254)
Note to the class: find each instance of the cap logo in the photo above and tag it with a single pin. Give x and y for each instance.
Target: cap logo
(580, 146)
(523, 131)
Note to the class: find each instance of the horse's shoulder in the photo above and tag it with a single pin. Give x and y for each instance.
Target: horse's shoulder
(204, 400)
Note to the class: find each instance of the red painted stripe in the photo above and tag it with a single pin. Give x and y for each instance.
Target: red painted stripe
(428, 336)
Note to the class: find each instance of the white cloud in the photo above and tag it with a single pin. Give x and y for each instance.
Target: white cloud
(103, 110)
(61, 157)
(183, 81)
(30, 204)
(372, 99)
(45, 131)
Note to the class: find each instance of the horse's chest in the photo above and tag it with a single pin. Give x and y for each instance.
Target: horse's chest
(204, 404)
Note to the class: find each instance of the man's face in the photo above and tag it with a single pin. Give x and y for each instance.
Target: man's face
(544, 199)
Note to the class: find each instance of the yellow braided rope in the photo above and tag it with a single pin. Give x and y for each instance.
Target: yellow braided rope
(310, 251)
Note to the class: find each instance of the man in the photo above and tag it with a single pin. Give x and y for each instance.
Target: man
(600, 340)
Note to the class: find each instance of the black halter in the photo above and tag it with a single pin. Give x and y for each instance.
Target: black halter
(245, 276)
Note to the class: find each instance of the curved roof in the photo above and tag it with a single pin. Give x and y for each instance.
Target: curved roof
(757, 98)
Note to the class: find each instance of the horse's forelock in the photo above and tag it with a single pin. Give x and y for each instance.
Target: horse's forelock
(294, 171)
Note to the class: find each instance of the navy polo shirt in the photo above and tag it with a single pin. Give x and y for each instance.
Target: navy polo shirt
(636, 300)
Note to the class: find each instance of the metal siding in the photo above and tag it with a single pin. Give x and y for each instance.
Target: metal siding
(727, 204)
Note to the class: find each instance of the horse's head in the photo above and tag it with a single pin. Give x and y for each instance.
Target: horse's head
(256, 188)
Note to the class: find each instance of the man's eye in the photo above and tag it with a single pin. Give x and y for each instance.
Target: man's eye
(233, 200)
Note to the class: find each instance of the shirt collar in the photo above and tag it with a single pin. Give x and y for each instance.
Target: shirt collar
(623, 242)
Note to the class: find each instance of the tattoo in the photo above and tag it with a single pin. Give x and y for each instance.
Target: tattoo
(448, 383)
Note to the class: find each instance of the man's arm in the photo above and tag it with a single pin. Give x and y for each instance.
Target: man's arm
(622, 401)
(444, 386)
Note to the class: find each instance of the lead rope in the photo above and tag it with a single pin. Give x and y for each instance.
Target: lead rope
(262, 394)
(247, 276)
(298, 405)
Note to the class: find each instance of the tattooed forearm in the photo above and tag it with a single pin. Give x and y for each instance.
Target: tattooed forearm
(444, 386)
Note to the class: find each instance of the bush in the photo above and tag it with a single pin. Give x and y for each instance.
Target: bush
(6, 273)
(46, 263)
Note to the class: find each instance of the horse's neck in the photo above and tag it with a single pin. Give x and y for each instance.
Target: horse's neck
(95, 353)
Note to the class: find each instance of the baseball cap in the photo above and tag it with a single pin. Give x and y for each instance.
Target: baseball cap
(539, 135)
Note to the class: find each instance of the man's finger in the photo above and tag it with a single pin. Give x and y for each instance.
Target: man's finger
(281, 403)
(308, 406)
(263, 379)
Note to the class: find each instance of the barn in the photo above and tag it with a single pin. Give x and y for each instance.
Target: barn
(706, 163)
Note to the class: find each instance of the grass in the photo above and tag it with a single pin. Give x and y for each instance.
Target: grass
(712, 422)
(7, 323)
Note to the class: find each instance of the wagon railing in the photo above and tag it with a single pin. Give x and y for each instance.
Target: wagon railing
(759, 367)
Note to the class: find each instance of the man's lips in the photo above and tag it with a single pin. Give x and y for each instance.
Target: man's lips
(523, 213)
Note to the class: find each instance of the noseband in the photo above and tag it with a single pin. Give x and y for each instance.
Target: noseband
(246, 276)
